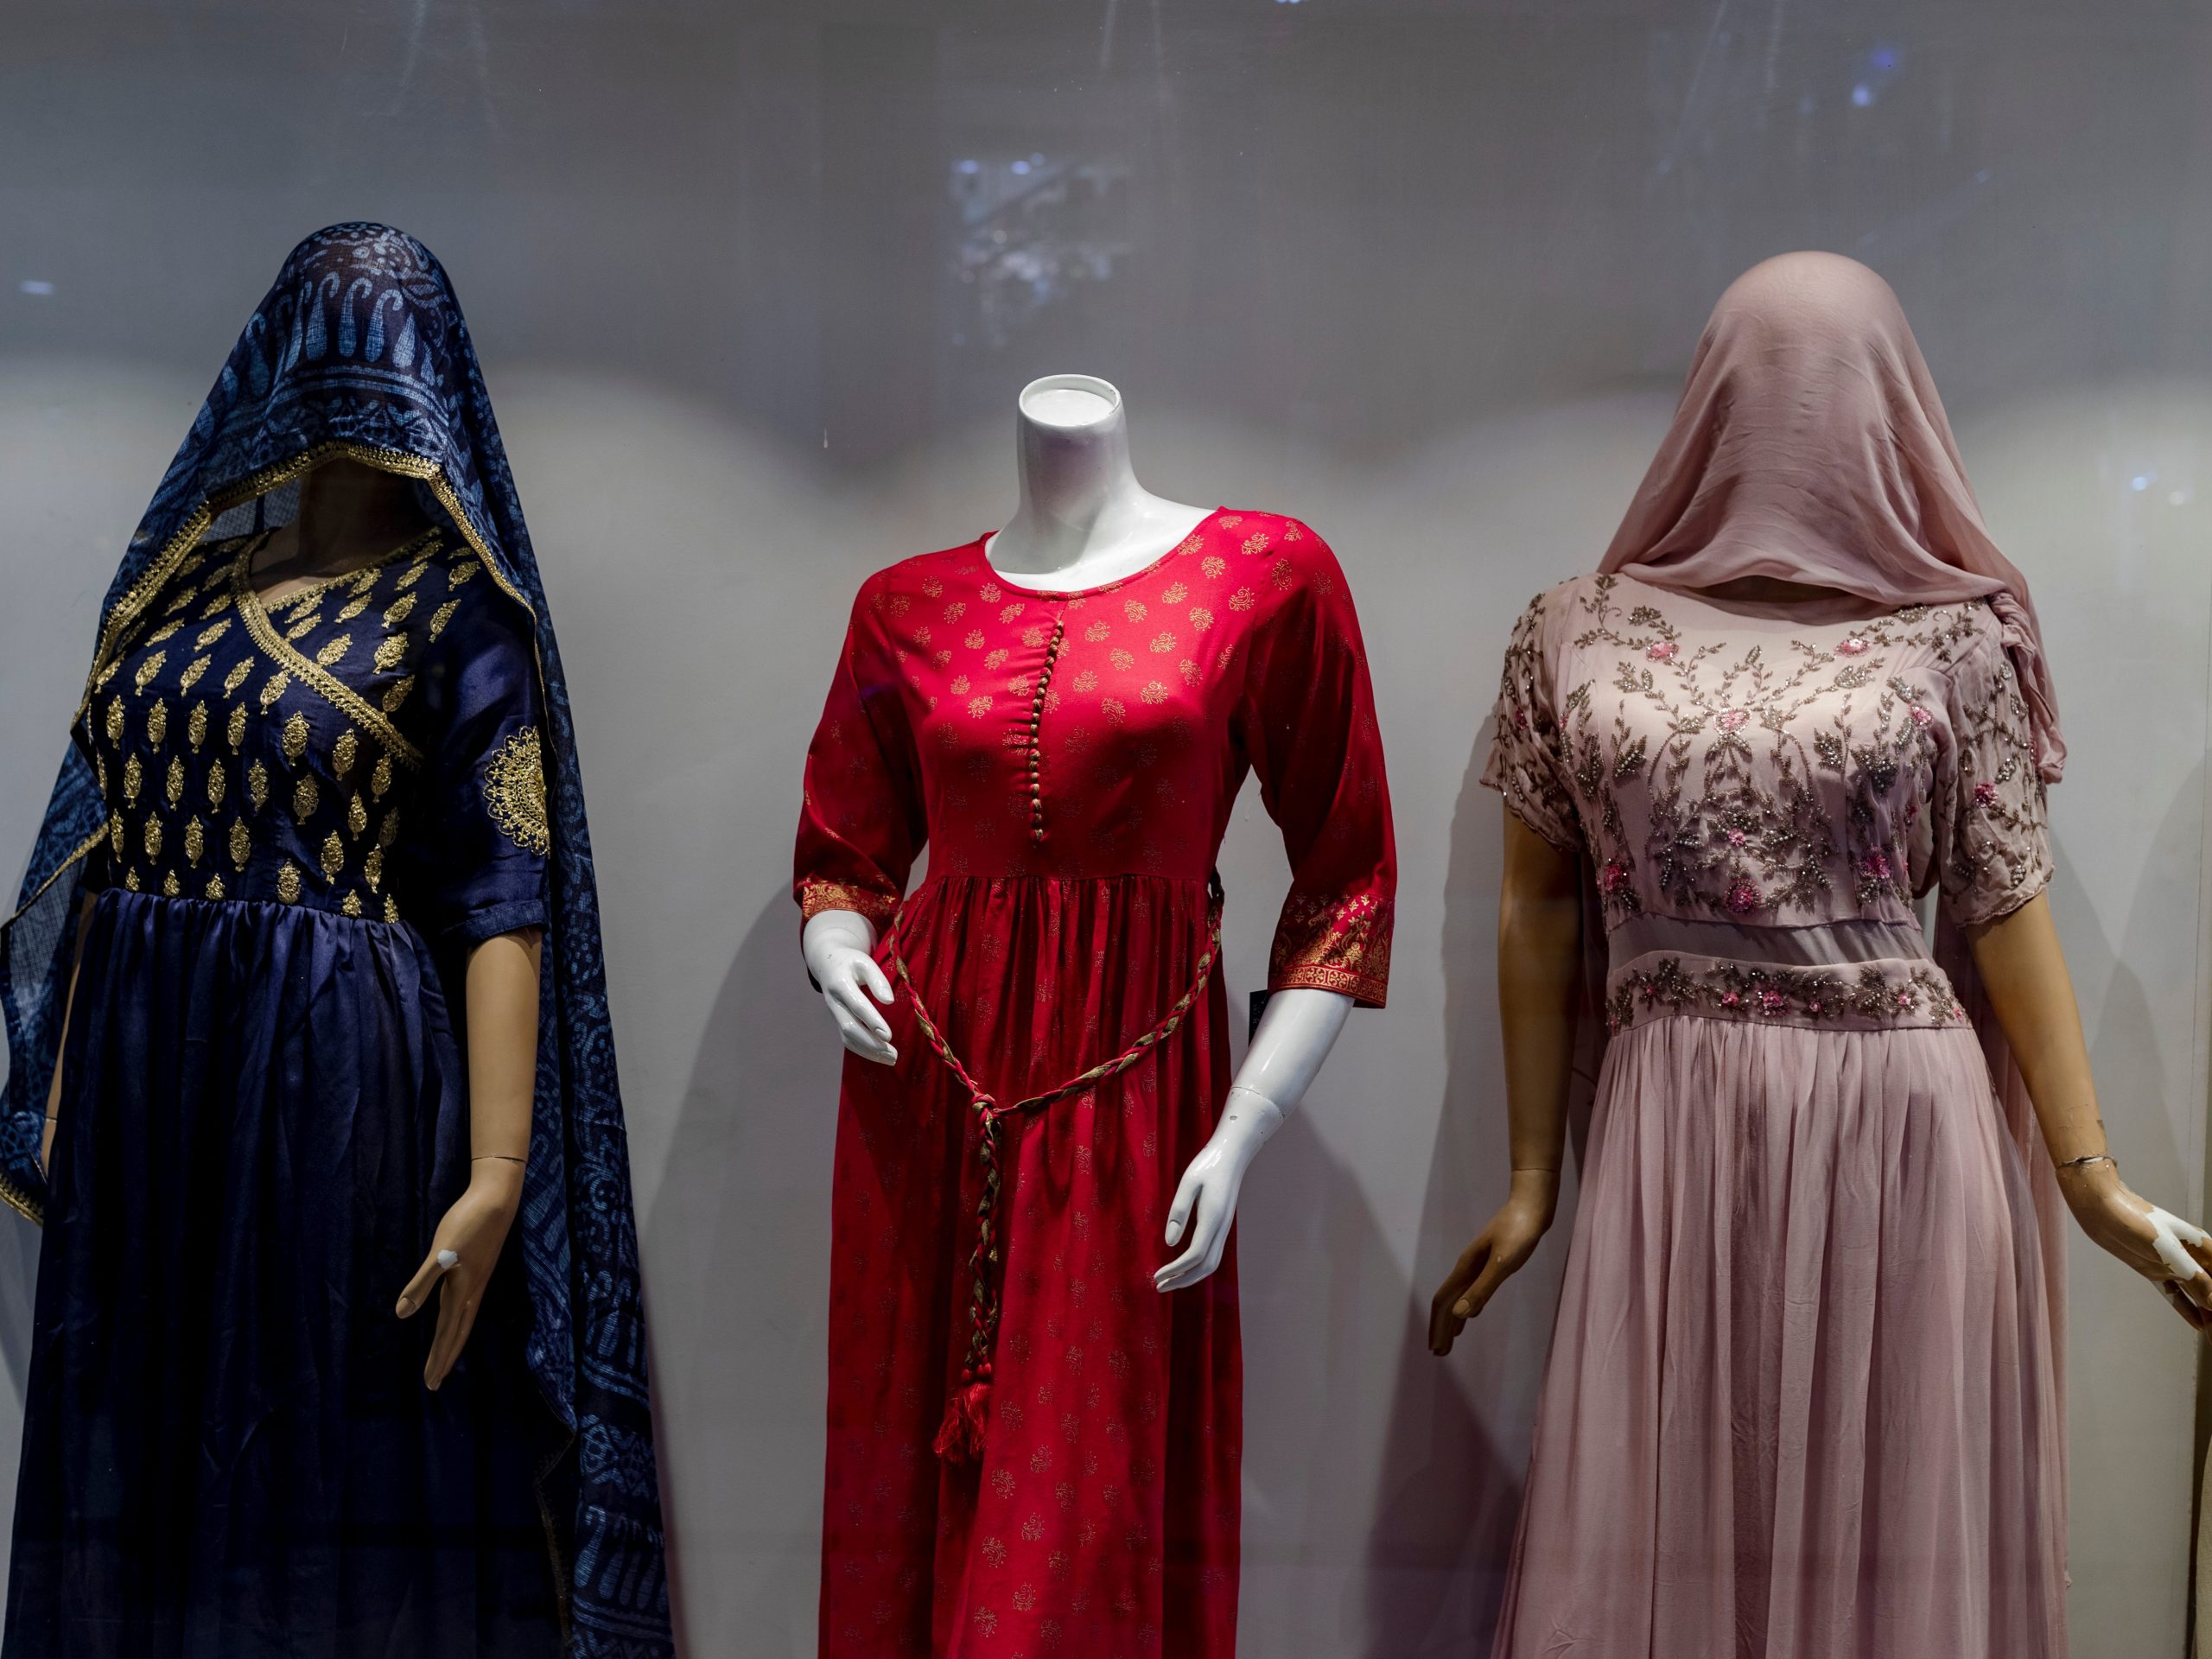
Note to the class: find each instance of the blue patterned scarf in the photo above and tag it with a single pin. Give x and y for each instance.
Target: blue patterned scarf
(360, 350)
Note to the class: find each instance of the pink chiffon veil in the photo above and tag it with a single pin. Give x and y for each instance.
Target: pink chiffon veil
(1810, 446)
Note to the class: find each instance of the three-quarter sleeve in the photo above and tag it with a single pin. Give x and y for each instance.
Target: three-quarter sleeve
(1527, 764)
(861, 823)
(1992, 840)
(1308, 725)
(474, 855)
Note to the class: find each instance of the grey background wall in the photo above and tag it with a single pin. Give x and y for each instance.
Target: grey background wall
(755, 288)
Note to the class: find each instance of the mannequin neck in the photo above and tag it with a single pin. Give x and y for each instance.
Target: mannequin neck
(1082, 516)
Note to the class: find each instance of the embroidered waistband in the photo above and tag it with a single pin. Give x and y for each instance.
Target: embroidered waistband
(1887, 994)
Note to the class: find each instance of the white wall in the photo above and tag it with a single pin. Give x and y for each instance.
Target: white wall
(1423, 274)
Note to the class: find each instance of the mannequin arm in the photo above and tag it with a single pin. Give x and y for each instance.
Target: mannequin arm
(502, 1001)
(1295, 1035)
(2023, 973)
(61, 1042)
(1539, 958)
(839, 946)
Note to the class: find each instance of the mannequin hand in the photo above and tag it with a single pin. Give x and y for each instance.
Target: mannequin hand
(1498, 1252)
(473, 1230)
(838, 945)
(1206, 1199)
(2164, 1248)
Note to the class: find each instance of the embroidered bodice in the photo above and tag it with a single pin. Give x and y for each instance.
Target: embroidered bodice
(367, 746)
(1022, 733)
(1739, 779)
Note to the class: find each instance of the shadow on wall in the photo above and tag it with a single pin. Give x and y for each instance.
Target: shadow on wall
(742, 1208)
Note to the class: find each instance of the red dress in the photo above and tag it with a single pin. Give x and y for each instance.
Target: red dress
(1070, 759)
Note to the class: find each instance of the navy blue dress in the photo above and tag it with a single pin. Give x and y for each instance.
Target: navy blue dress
(315, 808)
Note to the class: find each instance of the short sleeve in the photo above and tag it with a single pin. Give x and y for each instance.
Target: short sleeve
(1308, 724)
(1527, 764)
(475, 853)
(1993, 837)
(860, 823)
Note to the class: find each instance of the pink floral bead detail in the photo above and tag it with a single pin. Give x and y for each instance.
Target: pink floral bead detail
(1732, 719)
(1920, 713)
(1853, 646)
(1984, 794)
(1744, 898)
(1613, 876)
(1735, 838)
(1661, 650)
(1877, 864)
(1772, 1003)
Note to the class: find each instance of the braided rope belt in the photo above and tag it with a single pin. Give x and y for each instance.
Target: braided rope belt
(960, 1437)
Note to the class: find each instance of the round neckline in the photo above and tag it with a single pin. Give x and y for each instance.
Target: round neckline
(1835, 613)
(981, 545)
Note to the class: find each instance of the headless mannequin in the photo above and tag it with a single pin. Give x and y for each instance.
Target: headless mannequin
(1083, 520)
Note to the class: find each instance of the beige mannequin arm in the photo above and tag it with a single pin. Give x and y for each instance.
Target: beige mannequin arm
(502, 1000)
(2024, 974)
(1539, 956)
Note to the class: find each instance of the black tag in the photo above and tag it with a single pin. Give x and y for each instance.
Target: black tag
(1259, 1007)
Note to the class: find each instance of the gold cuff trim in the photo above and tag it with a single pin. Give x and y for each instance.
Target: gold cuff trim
(815, 897)
(1365, 988)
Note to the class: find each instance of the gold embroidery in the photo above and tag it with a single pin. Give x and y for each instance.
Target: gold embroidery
(116, 833)
(211, 632)
(397, 694)
(352, 906)
(399, 611)
(514, 789)
(195, 839)
(192, 670)
(257, 785)
(390, 909)
(305, 796)
(288, 884)
(380, 779)
(236, 730)
(334, 857)
(354, 606)
(214, 886)
(157, 723)
(152, 840)
(372, 868)
(357, 815)
(442, 615)
(241, 844)
(99, 771)
(295, 737)
(195, 726)
(115, 721)
(274, 689)
(817, 896)
(236, 677)
(304, 627)
(171, 887)
(391, 653)
(134, 777)
(332, 689)
(342, 752)
(130, 880)
(334, 650)
(214, 785)
(105, 675)
(174, 785)
(216, 606)
(162, 632)
(388, 831)
(461, 573)
(410, 577)
(1340, 945)
(144, 674)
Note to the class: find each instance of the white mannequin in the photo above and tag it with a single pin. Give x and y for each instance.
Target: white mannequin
(1083, 521)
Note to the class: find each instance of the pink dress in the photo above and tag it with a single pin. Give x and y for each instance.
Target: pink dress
(1803, 1401)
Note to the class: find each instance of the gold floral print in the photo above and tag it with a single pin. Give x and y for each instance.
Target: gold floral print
(442, 615)
(380, 779)
(390, 653)
(195, 839)
(173, 785)
(257, 785)
(210, 634)
(817, 896)
(134, 780)
(305, 798)
(152, 841)
(396, 695)
(214, 785)
(274, 689)
(514, 790)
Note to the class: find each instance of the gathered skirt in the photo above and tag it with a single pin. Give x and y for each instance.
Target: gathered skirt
(1801, 1401)
(1102, 1519)
(228, 1449)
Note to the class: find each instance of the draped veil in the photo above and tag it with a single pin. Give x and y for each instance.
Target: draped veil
(360, 350)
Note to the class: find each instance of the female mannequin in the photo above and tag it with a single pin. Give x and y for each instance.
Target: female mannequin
(1039, 1076)
(1083, 520)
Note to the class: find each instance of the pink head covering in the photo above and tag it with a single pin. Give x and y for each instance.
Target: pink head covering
(1810, 446)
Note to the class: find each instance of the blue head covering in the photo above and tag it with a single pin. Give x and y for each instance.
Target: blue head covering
(359, 350)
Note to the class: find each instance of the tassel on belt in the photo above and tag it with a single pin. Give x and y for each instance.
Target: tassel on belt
(967, 1412)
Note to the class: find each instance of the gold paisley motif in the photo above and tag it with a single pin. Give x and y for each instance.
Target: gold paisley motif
(116, 833)
(241, 844)
(306, 625)
(390, 909)
(380, 779)
(372, 868)
(152, 840)
(211, 632)
(357, 815)
(354, 606)
(166, 631)
(277, 682)
(410, 577)
(391, 653)
(305, 798)
(295, 737)
(171, 887)
(399, 611)
(130, 880)
(334, 857)
(216, 606)
(235, 732)
(397, 694)
(343, 752)
(134, 778)
(195, 726)
(214, 785)
(106, 674)
(115, 721)
(388, 831)
(514, 790)
(195, 839)
(461, 573)
(236, 677)
(192, 670)
(157, 723)
(442, 615)
(173, 785)
(334, 650)
(288, 884)
(143, 674)
(214, 886)
(351, 905)
(257, 785)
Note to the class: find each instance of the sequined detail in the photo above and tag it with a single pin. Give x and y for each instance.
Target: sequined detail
(514, 790)
(1861, 996)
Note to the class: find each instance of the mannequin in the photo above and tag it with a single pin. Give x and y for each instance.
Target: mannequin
(1083, 519)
